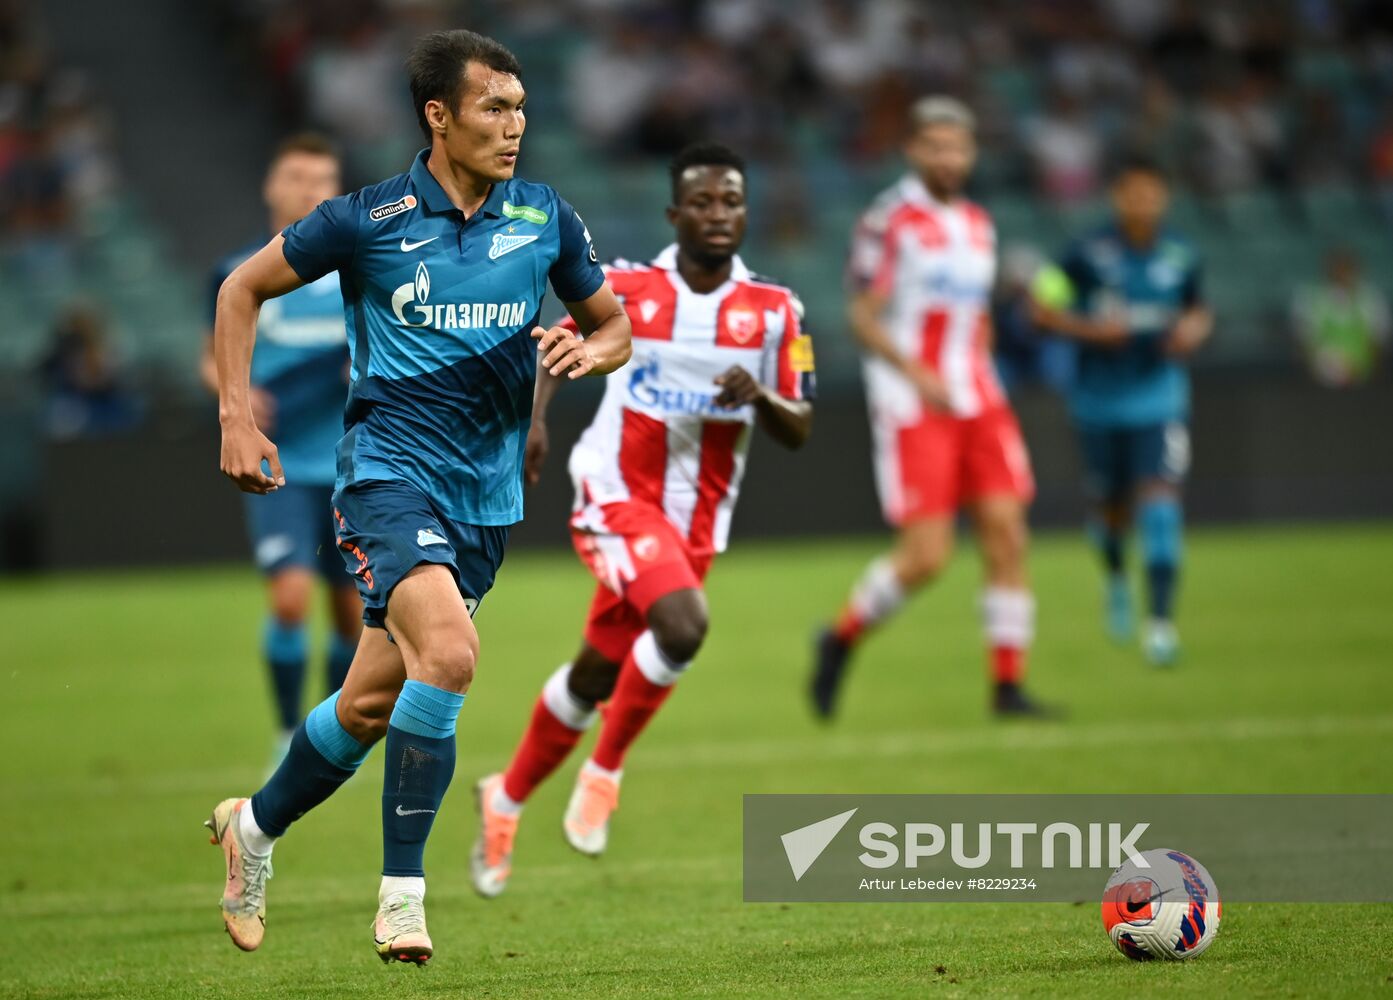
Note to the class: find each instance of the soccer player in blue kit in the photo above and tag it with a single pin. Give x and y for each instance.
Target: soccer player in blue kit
(299, 380)
(1129, 295)
(443, 270)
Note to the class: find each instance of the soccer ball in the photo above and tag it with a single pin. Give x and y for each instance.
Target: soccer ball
(1167, 910)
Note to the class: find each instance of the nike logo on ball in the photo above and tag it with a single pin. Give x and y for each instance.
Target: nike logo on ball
(1137, 905)
(412, 812)
(408, 247)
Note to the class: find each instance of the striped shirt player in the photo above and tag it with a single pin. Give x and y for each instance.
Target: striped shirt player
(921, 269)
(936, 263)
(716, 351)
(658, 470)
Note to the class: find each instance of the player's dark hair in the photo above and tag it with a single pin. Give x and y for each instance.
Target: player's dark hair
(1139, 163)
(437, 65)
(702, 154)
(305, 142)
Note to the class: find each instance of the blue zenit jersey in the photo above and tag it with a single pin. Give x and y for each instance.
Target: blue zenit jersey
(440, 310)
(1138, 384)
(301, 359)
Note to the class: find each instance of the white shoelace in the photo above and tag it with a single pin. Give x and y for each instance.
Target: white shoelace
(404, 915)
(256, 869)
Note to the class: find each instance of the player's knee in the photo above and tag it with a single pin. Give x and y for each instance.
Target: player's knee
(365, 715)
(921, 562)
(1005, 547)
(679, 623)
(447, 659)
(290, 604)
(592, 680)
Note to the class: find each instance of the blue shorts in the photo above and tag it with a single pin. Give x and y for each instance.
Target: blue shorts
(294, 527)
(1117, 459)
(386, 528)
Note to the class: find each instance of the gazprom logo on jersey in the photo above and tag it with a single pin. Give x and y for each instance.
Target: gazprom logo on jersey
(451, 315)
(645, 391)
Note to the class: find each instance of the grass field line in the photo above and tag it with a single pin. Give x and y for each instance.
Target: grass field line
(346, 889)
(1007, 738)
(1010, 737)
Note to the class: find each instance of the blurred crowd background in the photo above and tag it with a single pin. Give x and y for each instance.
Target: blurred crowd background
(133, 138)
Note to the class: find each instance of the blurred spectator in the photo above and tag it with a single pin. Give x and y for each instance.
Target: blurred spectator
(613, 80)
(1380, 160)
(1320, 146)
(1202, 84)
(56, 159)
(84, 394)
(1065, 149)
(1342, 323)
(1241, 141)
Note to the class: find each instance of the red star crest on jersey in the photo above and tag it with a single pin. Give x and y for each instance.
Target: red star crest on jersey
(742, 324)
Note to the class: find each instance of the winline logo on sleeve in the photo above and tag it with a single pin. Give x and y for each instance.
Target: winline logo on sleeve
(393, 208)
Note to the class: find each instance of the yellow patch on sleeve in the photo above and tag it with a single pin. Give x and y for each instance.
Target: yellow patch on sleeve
(800, 353)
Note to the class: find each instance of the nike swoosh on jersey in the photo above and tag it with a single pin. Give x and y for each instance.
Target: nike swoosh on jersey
(408, 247)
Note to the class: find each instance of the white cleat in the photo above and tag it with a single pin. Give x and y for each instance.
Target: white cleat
(491, 860)
(586, 823)
(1161, 643)
(399, 931)
(244, 892)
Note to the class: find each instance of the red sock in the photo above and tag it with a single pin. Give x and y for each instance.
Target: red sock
(633, 703)
(849, 626)
(544, 746)
(1008, 664)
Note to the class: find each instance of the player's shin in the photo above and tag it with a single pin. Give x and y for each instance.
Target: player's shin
(558, 721)
(420, 763)
(645, 681)
(322, 756)
(1161, 521)
(286, 649)
(876, 596)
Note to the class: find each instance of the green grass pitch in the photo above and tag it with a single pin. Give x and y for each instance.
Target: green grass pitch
(134, 702)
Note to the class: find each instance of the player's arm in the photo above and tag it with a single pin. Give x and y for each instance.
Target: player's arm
(1193, 327)
(263, 276)
(565, 352)
(599, 344)
(263, 403)
(787, 421)
(864, 313)
(782, 398)
(1052, 300)
(1195, 324)
(871, 272)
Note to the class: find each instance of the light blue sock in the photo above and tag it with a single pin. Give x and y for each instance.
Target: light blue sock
(1161, 521)
(330, 738)
(286, 648)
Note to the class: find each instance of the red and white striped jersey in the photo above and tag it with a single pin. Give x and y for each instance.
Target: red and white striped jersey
(936, 262)
(657, 436)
